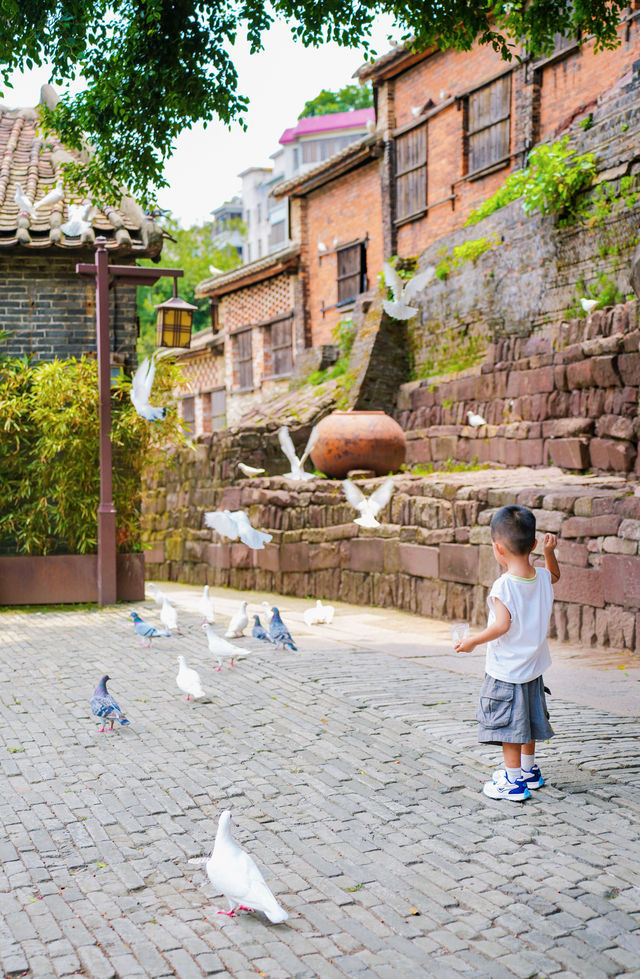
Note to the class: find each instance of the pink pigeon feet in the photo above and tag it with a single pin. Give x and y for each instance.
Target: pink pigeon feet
(241, 907)
(232, 663)
(218, 668)
(229, 914)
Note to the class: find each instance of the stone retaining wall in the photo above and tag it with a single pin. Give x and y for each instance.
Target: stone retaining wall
(566, 395)
(432, 554)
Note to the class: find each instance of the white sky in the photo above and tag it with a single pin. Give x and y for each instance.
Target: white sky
(278, 81)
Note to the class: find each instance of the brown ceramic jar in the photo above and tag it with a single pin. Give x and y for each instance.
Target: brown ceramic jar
(358, 440)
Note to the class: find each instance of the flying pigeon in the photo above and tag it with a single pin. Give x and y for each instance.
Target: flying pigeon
(23, 202)
(220, 648)
(52, 197)
(476, 420)
(169, 616)
(234, 873)
(297, 465)
(238, 623)
(141, 391)
(278, 632)
(158, 596)
(104, 706)
(368, 508)
(234, 524)
(78, 222)
(258, 631)
(188, 680)
(145, 630)
(319, 615)
(205, 607)
(404, 292)
(588, 305)
(249, 470)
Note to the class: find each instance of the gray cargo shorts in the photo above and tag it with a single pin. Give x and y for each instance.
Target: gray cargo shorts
(515, 713)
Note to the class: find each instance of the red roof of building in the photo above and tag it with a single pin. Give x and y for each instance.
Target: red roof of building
(310, 125)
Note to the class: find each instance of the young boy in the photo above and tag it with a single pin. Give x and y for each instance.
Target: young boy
(512, 709)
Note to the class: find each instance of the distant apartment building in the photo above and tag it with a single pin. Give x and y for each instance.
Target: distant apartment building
(227, 226)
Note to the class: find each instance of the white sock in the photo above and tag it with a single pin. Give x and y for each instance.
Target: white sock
(512, 774)
(527, 762)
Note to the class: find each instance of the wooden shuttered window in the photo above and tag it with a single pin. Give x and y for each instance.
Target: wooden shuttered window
(218, 409)
(352, 272)
(244, 359)
(489, 124)
(281, 342)
(411, 173)
(189, 413)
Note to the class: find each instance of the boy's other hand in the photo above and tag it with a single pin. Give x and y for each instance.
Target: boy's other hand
(550, 542)
(466, 645)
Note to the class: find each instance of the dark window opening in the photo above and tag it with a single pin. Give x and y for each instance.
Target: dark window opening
(244, 358)
(411, 173)
(352, 272)
(489, 125)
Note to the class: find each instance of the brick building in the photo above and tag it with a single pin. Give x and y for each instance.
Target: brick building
(249, 352)
(45, 307)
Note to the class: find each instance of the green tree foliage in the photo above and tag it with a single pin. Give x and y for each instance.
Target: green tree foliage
(49, 448)
(347, 98)
(155, 67)
(194, 250)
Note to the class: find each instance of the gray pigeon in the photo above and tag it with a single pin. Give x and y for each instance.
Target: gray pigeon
(278, 632)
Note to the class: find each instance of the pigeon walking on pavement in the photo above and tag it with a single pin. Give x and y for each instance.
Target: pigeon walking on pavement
(188, 680)
(279, 634)
(235, 874)
(205, 607)
(258, 631)
(145, 630)
(104, 706)
(319, 615)
(370, 507)
(157, 594)
(220, 648)
(234, 524)
(169, 616)
(238, 623)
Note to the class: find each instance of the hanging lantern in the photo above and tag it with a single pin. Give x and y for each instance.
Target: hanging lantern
(175, 319)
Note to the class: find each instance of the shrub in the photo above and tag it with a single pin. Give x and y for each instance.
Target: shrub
(49, 452)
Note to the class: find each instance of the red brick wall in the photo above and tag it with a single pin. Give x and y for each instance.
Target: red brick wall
(343, 210)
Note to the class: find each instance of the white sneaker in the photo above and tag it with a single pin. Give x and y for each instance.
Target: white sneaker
(502, 788)
(532, 779)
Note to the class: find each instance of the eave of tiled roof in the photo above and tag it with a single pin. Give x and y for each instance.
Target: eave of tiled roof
(245, 275)
(348, 159)
(34, 161)
(392, 63)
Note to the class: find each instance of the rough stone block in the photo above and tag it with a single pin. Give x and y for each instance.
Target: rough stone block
(231, 498)
(480, 535)
(418, 560)
(629, 530)
(323, 556)
(604, 372)
(582, 585)
(629, 368)
(567, 427)
(155, 555)
(444, 447)
(539, 381)
(268, 558)
(619, 626)
(569, 552)
(295, 557)
(548, 521)
(615, 427)
(608, 523)
(459, 562)
(579, 375)
(616, 545)
(241, 556)
(218, 555)
(488, 567)
(418, 449)
(569, 453)
(366, 555)
(612, 454)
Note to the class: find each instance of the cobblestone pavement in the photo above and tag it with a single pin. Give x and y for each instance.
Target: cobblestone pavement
(354, 779)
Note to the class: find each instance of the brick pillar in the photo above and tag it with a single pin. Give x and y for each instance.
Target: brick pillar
(526, 103)
(386, 121)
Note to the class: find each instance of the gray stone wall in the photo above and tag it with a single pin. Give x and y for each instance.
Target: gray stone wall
(50, 311)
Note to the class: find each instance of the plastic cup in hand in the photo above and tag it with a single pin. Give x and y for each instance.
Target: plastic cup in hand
(459, 631)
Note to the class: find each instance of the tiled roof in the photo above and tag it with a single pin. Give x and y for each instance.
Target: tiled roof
(32, 160)
(243, 275)
(310, 125)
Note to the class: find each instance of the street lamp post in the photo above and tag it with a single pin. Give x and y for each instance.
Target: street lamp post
(102, 272)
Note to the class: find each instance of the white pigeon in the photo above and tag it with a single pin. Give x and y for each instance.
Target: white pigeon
(169, 616)
(23, 202)
(588, 305)
(220, 648)
(297, 465)
(249, 470)
(158, 595)
(205, 607)
(234, 873)
(403, 292)
(319, 615)
(52, 197)
(238, 623)
(188, 680)
(267, 606)
(141, 391)
(78, 221)
(476, 420)
(234, 524)
(368, 507)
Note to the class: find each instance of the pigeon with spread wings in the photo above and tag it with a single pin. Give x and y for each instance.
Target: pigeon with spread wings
(403, 292)
(297, 465)
(234, 524)
(368, 507)
(141, 391)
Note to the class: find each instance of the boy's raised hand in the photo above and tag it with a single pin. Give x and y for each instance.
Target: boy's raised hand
(550, 542)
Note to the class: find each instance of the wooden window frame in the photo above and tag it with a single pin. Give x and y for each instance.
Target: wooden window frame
(400, 175)
(360, 274)
(241, 362)
(217, 390)
(188, 422)
(503, 158)
(272, 328)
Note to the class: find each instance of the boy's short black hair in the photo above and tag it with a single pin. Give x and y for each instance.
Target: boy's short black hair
(515, 526)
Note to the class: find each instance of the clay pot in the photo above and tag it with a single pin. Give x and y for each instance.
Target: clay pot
(358, 440)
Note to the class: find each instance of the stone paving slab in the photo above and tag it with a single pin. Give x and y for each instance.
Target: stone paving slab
(353, 776)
